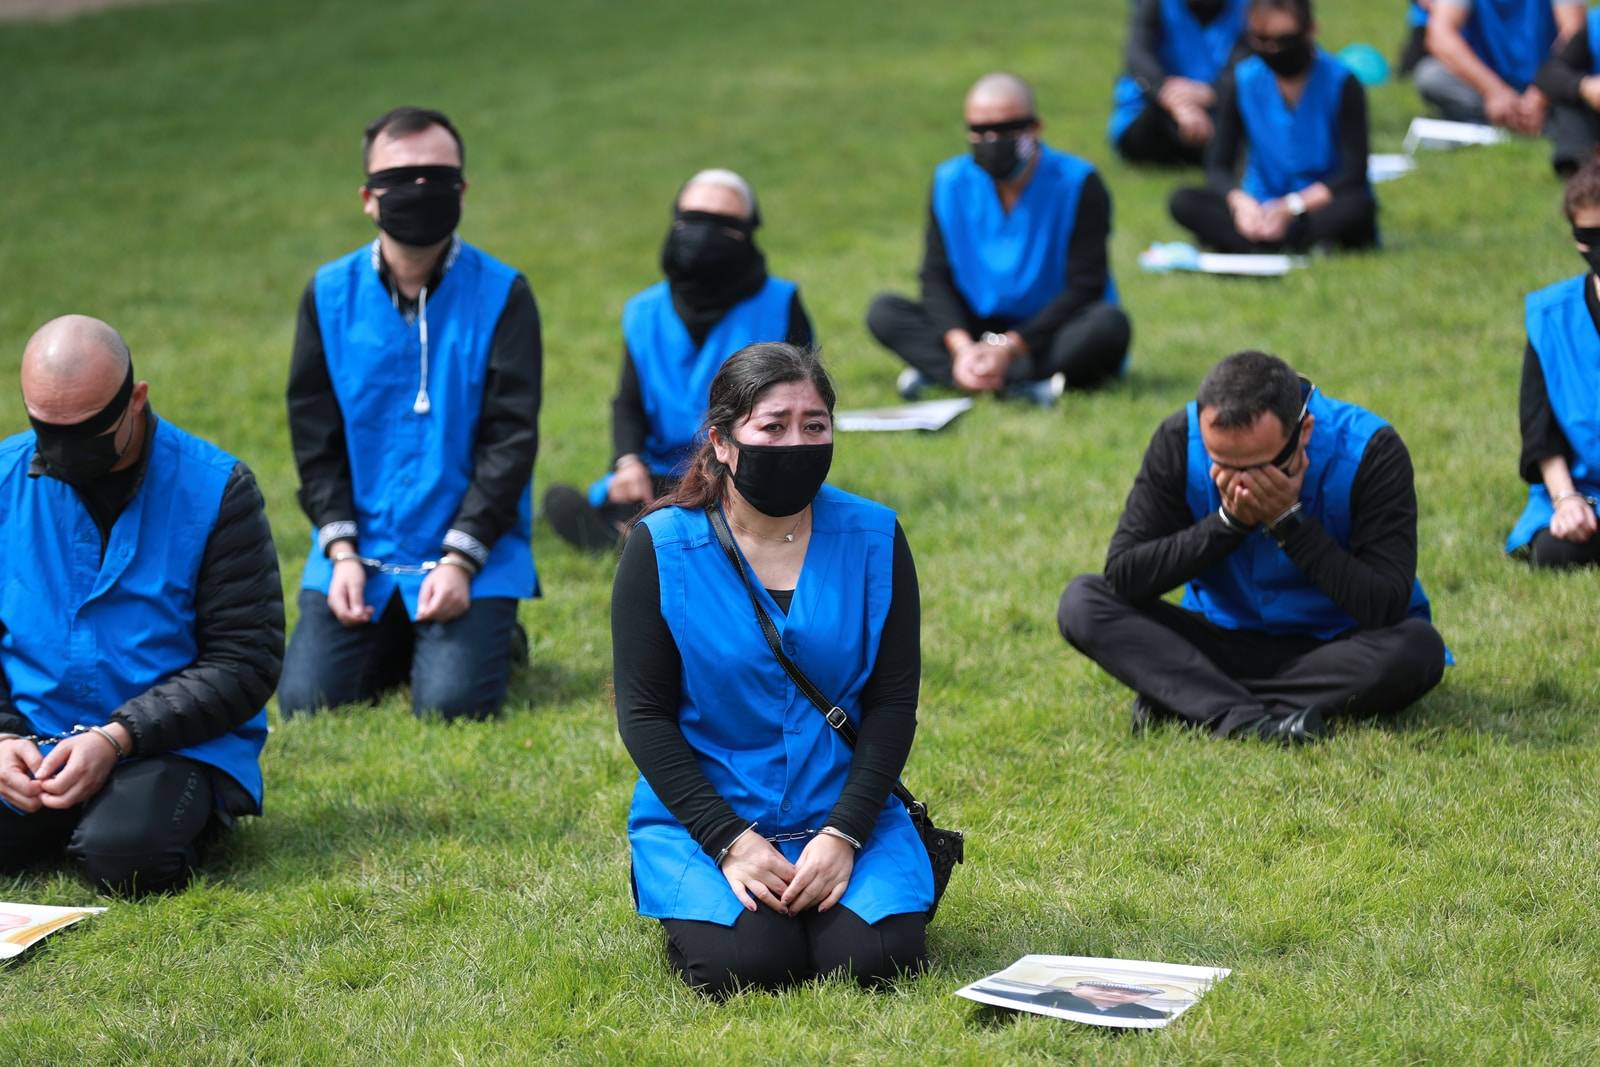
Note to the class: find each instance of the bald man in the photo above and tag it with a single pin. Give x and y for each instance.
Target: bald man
(141, 624)
(1017, 293)
(716, 298)
(414, 412)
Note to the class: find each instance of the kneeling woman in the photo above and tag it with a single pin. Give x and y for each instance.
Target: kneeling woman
(1560, 404)
(769, 850)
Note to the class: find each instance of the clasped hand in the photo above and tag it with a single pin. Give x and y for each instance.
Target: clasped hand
(75, 770)
(755, 870)
(1574, 520)
(1256, 221)
(1258, 495)
(980, 367)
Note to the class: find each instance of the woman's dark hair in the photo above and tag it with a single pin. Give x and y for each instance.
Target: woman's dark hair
(1300, 9)
(1245, 385)
(735, 391)
(1583, 188)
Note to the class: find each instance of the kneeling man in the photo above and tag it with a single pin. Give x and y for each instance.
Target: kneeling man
(1292, 517)
(141, 624)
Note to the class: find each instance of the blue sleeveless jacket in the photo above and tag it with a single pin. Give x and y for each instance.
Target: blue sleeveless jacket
(1189, 49)
(1289, 148)
(675, 376)
(410, 472)
(1010, 266)
(82, 635)
(1258, 587)
(762, 744)
(1513, 37)
(1563, 334)
(1593, 29)
(1416, 15)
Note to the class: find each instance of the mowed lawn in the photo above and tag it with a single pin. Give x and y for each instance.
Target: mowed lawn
(1420, 891)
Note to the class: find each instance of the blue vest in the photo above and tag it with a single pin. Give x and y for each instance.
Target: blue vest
(1189, 49)
(1289, 148)
(410, 472)
(763, 746)
(82, 635)
(1257, 587)
(675, 376)
(1513, 37)
(1562, 332)
(1416, 16)
(1593, 29)
(1009, 267)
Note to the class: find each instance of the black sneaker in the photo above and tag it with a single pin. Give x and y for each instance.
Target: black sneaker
(1295, 728)
(519, 646)
(576, 523)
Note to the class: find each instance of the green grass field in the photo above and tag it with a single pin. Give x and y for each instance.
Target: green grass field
(1418, 892)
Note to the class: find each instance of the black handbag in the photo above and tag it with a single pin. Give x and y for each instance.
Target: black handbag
(946, 848)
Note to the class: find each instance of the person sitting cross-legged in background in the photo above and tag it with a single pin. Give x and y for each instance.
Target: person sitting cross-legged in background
(141, 625)
(1017, 293)
(1297, 118)
(1570, 80)
(1560, 404)
(414, 412)
(1164, 104)
(717, 298)
(1292, 518)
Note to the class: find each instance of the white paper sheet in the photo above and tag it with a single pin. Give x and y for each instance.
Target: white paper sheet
(1129, 994)
(1441, 133)
(24, 925)
(923, 415)
(1387, 166)
(1163, 257)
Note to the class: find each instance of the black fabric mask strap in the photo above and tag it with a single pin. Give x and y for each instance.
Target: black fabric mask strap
(388, 179)
(95, 424)
(712, 218)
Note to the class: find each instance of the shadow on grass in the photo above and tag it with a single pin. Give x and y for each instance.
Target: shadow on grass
(1534, 716)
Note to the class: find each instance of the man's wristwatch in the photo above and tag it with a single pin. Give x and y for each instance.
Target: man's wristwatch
(1284, 526)
(1295, 203)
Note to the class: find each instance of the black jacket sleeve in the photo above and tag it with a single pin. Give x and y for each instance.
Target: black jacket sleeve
(888, 705)
(800, 332)
(1372, 581)
(239, 623)
(1158, 545)
(1561, 77)
(1222, 155)
(1542, 435)
(1088, 266)
(316, 426)
(1141, 50)
(944, 303)
(508, 429)
(1351, 176)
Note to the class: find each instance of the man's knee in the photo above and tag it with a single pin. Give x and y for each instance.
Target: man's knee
(126, 875)
(450, 690)
(729, 960)
(1081, 609)
(885, 314)
(1413, 661)
(872, 955)
(1112, 329)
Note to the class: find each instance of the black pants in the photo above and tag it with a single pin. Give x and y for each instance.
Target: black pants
(766, 950)
(1350, 221)
(1153, 139)
(1550, 551)
(1089, 349)
(1574, 132)
(1230, 679)
(144, 832)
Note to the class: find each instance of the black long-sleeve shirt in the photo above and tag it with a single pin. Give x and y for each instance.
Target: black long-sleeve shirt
(239, 623)
(1542, 435)
(1141, 50)
(1561, 77)
(1088, 272)
(648, 678)
(1159, 546)
(503, 453)
(629, 423)
(1225, 154)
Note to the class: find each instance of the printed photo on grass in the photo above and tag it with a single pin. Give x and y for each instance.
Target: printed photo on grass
(1123, 993)
(24, 925)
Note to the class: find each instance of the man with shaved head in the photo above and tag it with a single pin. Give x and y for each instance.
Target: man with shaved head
(414, 412)
(1017, 293)
(717, 298)
(141, 624)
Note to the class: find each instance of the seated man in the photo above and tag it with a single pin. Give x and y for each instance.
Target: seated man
(1483, 55)
(1560, 405)
(1570, 80)
(414, 412)
(141, 625)
(1162, 107)
(1017, 294)
(1299, 118)
(716, 299)
(1415, 45)
(1293, 519)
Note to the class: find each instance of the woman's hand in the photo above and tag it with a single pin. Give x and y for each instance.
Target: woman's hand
(757, 871)
(821, 875)
(1574, 520)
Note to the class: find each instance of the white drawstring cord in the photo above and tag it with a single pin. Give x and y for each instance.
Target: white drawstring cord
(422, 405)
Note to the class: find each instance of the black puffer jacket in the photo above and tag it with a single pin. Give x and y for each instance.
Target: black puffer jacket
(239, 624)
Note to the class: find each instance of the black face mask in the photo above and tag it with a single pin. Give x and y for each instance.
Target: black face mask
(1292, 57)
(780, 480)
(85, 451)
(1206, 10)
(710, 250)
(1589, 236)
(1005, 157)
(417, 212)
